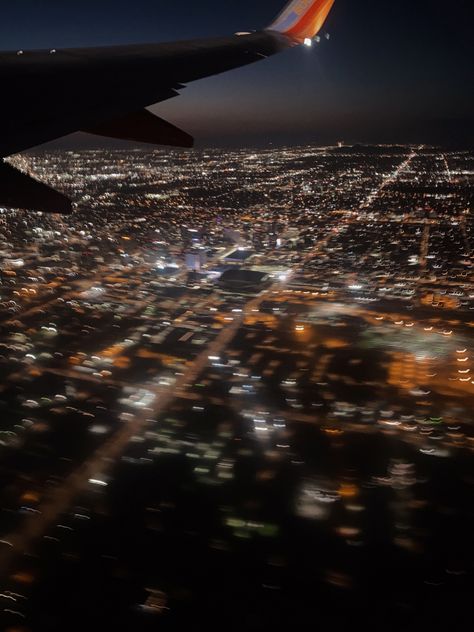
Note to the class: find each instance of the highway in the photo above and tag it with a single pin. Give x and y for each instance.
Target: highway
(389, 179)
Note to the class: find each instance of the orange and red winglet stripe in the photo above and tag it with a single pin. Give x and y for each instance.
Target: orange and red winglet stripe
(311, 21)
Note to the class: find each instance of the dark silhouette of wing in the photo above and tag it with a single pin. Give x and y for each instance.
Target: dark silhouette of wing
(49, 94)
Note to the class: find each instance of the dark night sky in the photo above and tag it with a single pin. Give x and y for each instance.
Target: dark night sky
(393, 69)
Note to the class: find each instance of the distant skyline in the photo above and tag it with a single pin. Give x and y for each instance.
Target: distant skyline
(390, 72)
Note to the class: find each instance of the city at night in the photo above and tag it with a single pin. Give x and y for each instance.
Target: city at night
(236, 378)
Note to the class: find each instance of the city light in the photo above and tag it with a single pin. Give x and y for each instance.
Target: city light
(251, 379)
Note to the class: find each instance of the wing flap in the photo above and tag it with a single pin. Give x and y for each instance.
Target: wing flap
(19, 190)
(144, 127)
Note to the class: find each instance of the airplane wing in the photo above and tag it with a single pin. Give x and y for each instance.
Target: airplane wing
(48, 94)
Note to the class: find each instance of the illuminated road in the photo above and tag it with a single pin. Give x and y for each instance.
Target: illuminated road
(448, 170)
(103, 459)
(462, 222)
(424, 248)
(389, 179)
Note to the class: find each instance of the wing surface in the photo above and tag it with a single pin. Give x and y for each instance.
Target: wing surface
(49, 94)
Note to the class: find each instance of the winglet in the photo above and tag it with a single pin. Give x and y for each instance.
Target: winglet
(302, 19)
